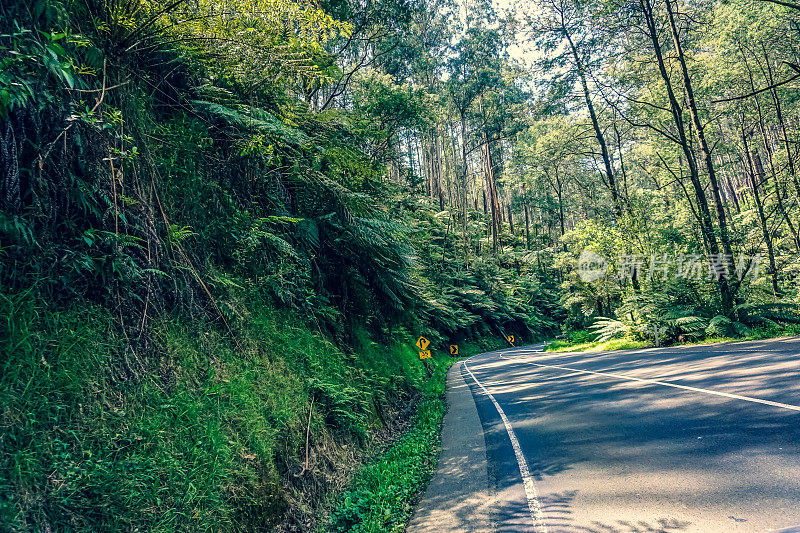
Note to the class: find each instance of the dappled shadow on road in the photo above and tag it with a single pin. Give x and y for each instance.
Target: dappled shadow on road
(762, 369)
(559, 518)
(606, 444)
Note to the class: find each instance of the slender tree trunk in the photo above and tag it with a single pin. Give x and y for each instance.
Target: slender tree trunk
(493, 198)
(727, 185)
(701, 138)
(561, 209)
(775, 180)
(464, 184)
(410, 155)
(494, 201)
(601, 140)
(527, 227)
(768, 149)
(734, 196)
(437, 146)
(751, 154)
(782, 123)
(725, 292)
(622, 169)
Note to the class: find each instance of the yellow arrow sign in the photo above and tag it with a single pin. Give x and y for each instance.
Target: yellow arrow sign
(422, 343)
(511, 339)
(454, 349)
(425, 354)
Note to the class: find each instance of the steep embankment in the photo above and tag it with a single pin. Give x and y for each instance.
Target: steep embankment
(240, 434)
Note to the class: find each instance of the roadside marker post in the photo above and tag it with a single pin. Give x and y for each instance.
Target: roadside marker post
(454, 349)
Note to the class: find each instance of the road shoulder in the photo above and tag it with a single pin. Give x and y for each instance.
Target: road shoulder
(458, 497)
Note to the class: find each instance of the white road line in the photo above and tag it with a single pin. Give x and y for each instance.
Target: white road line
(527, 480)
(667, 384)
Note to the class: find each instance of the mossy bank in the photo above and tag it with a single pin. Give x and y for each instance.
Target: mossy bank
(262, 430)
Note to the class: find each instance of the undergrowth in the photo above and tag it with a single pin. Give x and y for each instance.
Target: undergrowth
(213, 440)
(596, 346)
(383, 493)
(625, 343)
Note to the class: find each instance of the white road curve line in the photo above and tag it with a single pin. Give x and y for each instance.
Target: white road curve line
(527, 480)
(667, 384)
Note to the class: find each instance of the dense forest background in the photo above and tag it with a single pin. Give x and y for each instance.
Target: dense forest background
(222, 223)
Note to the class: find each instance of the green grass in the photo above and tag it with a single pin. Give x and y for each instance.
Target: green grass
(754, 334)
(198, 434)
(787, 330)
(381, 497)
(596, 346)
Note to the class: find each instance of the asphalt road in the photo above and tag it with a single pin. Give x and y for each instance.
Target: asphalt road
(700, 438)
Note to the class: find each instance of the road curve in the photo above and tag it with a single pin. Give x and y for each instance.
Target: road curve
(690, 438)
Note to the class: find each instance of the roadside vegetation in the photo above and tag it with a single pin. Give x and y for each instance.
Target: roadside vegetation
(224, 225)
(383, 493)
(210, 288)
(586, 341)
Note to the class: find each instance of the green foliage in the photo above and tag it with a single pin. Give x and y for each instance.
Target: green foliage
(188, 189)
(608, 328)
(381, 496)
(382, 493)
(203, 440)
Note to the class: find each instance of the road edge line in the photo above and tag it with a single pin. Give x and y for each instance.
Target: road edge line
(527, 480)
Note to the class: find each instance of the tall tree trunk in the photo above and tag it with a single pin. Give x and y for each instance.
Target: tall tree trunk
(727, 185)
(447, 170)
(751, 155)
(598, 132)
(768, 149)
(437, 147)
(527, 219)
(725, 291)
(464, 184)
(411, 155)
(626, 196)
(494, 201)
(782, 123)
(561, 209)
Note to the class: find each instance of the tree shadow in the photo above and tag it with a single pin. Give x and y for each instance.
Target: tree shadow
(655, 443)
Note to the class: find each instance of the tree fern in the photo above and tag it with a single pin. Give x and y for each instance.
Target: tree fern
(609, 328)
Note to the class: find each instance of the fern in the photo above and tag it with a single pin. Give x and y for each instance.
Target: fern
(178, 234)
(253, 120)
(770, 314)
(608, 328)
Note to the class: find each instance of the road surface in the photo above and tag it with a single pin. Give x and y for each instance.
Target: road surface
(690, 438)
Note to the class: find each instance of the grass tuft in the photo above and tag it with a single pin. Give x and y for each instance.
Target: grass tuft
(596, 346)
